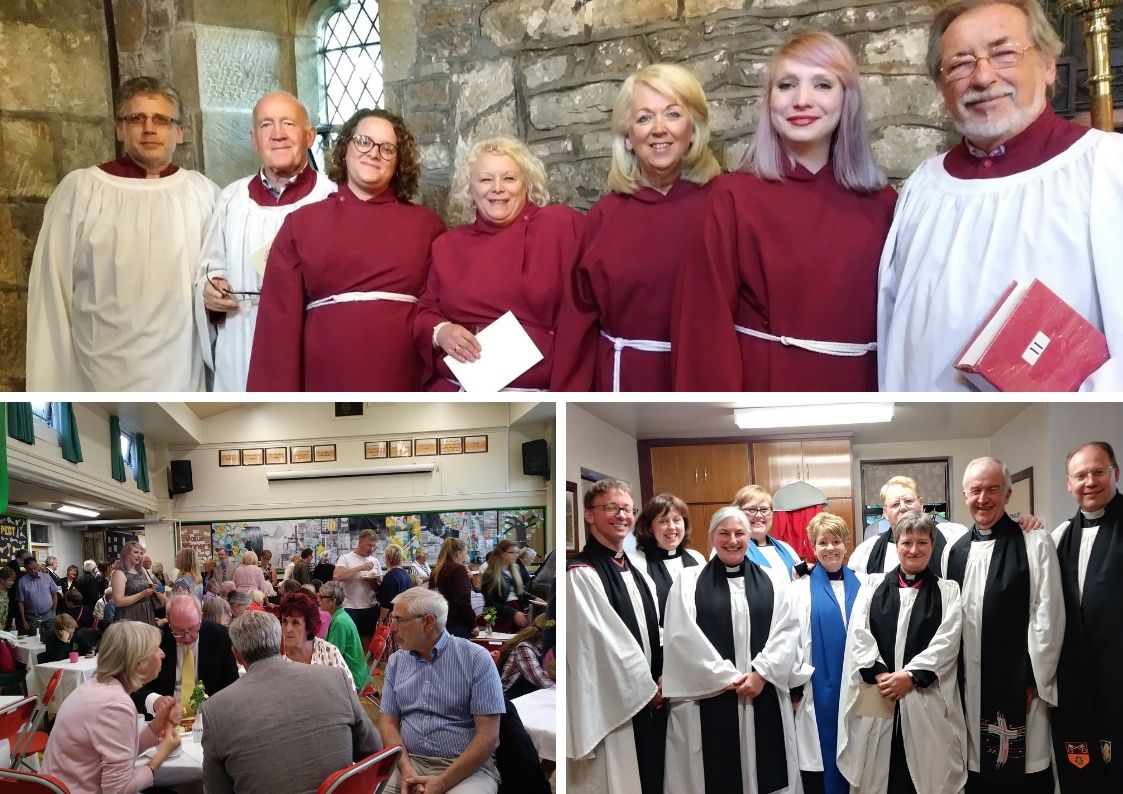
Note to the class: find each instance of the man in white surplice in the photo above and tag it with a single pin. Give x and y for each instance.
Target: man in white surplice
(731, 726)
(1024, 195)
(245, 221)
(914, 618)
(616, 724)
(1013, 627)
(109, 297)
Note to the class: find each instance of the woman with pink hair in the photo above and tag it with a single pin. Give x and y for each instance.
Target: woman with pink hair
(787, 297)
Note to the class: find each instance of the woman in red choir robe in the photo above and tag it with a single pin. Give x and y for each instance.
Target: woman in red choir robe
(786, 299)
(614, 335)
(341, 287)
(516, 257)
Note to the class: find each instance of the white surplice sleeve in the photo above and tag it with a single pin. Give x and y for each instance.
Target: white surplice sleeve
(1107, 256)
(1047, 612)
(692, 667)
(608, 676)
(213, 263)
(780, 660)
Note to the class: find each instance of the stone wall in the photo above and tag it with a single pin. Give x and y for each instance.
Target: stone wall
(547, 71)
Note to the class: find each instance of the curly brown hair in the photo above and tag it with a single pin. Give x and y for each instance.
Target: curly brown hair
(407, 175)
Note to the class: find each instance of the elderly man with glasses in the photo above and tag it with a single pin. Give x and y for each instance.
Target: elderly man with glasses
(109, 305)
(194, 650)
(616, 739)
(246, 219)
(1025, 195)
(1088, 720)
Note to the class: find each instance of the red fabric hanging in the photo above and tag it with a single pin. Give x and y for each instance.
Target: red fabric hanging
(790, 526)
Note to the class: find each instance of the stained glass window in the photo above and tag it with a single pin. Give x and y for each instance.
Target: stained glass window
(351, 54)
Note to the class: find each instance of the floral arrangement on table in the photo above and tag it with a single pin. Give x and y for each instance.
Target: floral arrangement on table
(490, 615)
(198, 695)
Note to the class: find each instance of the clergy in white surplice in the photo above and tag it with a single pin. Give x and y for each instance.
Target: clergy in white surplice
(1088, 720)
(824, 602)
(109, 296)
(245, 221)
(663, 543)
(1025, 195)
(731, 657)
(615, 720)
(1013, 628)
(902, 647)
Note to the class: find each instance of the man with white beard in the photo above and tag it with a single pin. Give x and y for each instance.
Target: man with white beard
(1024, 195)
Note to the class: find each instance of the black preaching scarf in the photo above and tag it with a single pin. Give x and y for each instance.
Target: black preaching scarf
(649, 726)
(721, 745)
(924, 622)
(876, 562)
(657, 570)
(1088, 720)
(1005, 673)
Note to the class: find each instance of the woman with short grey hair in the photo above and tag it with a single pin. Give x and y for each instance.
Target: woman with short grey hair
(342, 632)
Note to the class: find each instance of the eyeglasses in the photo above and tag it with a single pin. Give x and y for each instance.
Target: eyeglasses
(139, 119)
(1002, 56)
(901, 503)
(763, 512)
(394, 619)
(240, 296)
(614, 510)
(179, 635)
(364, 143)
(1090, 474)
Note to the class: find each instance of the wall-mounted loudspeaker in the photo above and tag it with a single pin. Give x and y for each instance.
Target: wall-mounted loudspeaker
(536, 458)
(179, 477)
(348, 409)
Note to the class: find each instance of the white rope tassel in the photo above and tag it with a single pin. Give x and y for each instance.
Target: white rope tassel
(643, 345)
(849, 349)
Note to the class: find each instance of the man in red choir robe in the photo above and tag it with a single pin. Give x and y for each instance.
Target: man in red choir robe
(245, 221)
(340, 290)
(109, 297)
(1024, 195)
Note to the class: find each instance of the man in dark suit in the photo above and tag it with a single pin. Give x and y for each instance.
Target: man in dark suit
(238, 755)
(192, 645)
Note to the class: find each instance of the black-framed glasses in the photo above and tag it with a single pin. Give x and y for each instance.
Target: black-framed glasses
(763, 512)
(614, 510)
(139, 119)
(179, 635)
(1001, 56)
(365, 143)
(238, 295)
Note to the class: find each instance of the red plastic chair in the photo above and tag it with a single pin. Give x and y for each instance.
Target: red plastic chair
(17, 782)
(368, 776)
(31, 740)
(371, 689)
(14, 716)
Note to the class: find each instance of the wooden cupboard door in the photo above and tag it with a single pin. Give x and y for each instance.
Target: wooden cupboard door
(725, 469)
(674, 471)
(777, 463)
(700, 515)
(844, 509)
(827, 466)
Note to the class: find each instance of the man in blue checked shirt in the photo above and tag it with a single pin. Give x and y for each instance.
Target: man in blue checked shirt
(442, 700)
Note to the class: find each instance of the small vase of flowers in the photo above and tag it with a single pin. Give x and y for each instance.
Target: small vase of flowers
(490, 615)
(198, 695)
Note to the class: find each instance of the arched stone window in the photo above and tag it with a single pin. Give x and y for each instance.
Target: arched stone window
(349, 51)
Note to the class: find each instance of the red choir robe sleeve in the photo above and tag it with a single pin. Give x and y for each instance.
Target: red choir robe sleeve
(705, 352)
(278, 340)
(578, 325)
(429, 315)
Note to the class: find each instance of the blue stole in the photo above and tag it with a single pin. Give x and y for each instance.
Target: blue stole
(828, 645)
(758, 557)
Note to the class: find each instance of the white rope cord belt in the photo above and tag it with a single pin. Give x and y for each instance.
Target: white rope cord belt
(850, 349)
(643, 345)
(352, 297)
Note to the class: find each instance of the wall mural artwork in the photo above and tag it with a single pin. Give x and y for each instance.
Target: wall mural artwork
(13, 536)
(480, 529)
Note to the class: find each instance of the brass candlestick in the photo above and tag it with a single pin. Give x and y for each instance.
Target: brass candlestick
(1095, 14)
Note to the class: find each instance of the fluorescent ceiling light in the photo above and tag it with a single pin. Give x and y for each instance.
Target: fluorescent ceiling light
(85, 512)
(327, 474)
(771, 416)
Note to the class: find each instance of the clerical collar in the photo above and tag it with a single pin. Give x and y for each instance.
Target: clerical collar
(1094, 515)
(735, 572)
(837, 576)
(278, 190)
(1045, 138)
(904, 580)
(982, 534)
(656, 551)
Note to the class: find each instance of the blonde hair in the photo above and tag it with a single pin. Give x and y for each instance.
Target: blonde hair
(449, 547)
(393, 554)
(64, 623)
(249, 557)
(123, 647)
(748, 492)
(673, 81)
(188, 564)
(827, 524)
(537, 190)
(901, 481)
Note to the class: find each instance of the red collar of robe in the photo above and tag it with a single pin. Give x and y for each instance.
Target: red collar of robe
(679, 189)
(797, 173)
(300, 186)
(1041, 141)
(484, 226)
(124, 166)
(345, 194)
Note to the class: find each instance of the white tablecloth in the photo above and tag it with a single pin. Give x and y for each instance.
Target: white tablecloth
(26, 651)
(538, 711)
(186, 767)
(73, 676)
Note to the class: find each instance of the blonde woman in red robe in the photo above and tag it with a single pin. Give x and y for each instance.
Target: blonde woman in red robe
(614, 334)
(340, 290)
(517, 256)
(786, 299)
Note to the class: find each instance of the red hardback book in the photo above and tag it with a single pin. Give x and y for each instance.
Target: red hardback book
(1033, 341)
